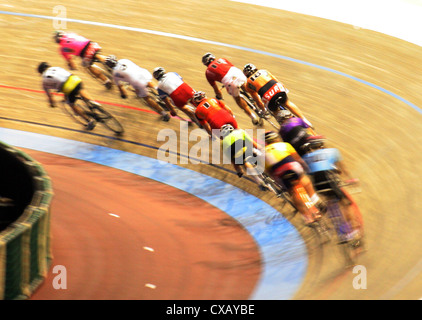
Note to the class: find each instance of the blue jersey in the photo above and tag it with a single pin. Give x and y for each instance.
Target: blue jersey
(322, 159)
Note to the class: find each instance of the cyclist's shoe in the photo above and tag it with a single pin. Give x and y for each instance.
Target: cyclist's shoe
(108, 84)
(165, 116)
(255, 119)
(91, 125)
(352, 237)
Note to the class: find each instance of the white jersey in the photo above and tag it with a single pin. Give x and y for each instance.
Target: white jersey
(54, 77)
(129, 72)
(170, 82)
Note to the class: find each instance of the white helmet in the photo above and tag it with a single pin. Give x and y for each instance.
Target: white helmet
(226, 129)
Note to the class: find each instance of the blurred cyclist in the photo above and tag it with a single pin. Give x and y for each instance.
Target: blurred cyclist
(223, 71)
(125, 72)
(212, 113)
(294, 130)
(72, 44)
(286, 167)
(238, 146)
(324, 164)
(61, 80)
(173, 90)
(268, 91)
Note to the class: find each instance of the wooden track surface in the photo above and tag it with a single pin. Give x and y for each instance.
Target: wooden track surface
(379, 135)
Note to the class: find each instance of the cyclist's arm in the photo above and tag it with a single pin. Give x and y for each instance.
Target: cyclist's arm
(71, 63)
(49, 96)
(217, 91)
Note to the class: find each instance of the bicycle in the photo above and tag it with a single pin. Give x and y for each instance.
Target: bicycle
(333, 192)
(94, 111)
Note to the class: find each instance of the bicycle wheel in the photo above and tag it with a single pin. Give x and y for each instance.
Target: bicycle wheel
(75, 117)
(106, 118)
(278, 190)
(348, 247)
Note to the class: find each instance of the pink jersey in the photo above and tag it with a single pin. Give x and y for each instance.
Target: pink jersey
(72, 44)
(217, 69)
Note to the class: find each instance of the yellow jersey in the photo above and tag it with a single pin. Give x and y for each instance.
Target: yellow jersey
(277, 152)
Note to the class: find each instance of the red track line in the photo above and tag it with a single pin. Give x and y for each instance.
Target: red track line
(60, 94)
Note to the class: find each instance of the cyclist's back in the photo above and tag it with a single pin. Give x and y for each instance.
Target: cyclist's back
(295, 131)
(172, 85)
(72, 44)
(235, 145)
(54, 77)
(322, 159)
(217, 70)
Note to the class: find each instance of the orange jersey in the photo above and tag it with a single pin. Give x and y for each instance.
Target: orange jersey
(207, 108)
(213, 112)
(263, 82)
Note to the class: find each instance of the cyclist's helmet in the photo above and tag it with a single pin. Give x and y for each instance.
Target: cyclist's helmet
(225, 130)
(158, 73)
(284, 114)
(57, 35)
(43, 66)
(271, 136)
(208, 58)
(316, 142)
(198, 96)
(110, 61)
(249, 69)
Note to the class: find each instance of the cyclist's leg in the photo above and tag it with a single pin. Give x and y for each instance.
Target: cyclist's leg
(153, 104)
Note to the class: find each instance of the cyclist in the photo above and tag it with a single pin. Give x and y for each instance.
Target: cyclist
(174, 91)
(125, 72)
(212, 113)
(61, 80)
(238, 146)
(223, 71)
(72, 44)
(324, 164)
(286, 167)
(267, 91)
(294, 130)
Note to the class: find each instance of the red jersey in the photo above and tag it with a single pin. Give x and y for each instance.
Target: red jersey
(212, 111)
(217, 69)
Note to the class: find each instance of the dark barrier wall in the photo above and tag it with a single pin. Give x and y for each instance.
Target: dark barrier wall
(16, 184)
(25, 199)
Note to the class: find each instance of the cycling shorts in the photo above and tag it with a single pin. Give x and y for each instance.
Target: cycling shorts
(287, 171)
(88, 53)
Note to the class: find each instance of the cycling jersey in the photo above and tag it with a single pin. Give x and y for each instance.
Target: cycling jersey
(72, 44)
(322, 159)
(266, 85)
(211, 110)
(276, 153)
(236, 144)
(54, 77)
(217, 69)
(223, 71)
(294, 131)
(172, 85)
(126, 71)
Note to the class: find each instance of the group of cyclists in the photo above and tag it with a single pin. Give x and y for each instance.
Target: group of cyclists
(294, 154)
